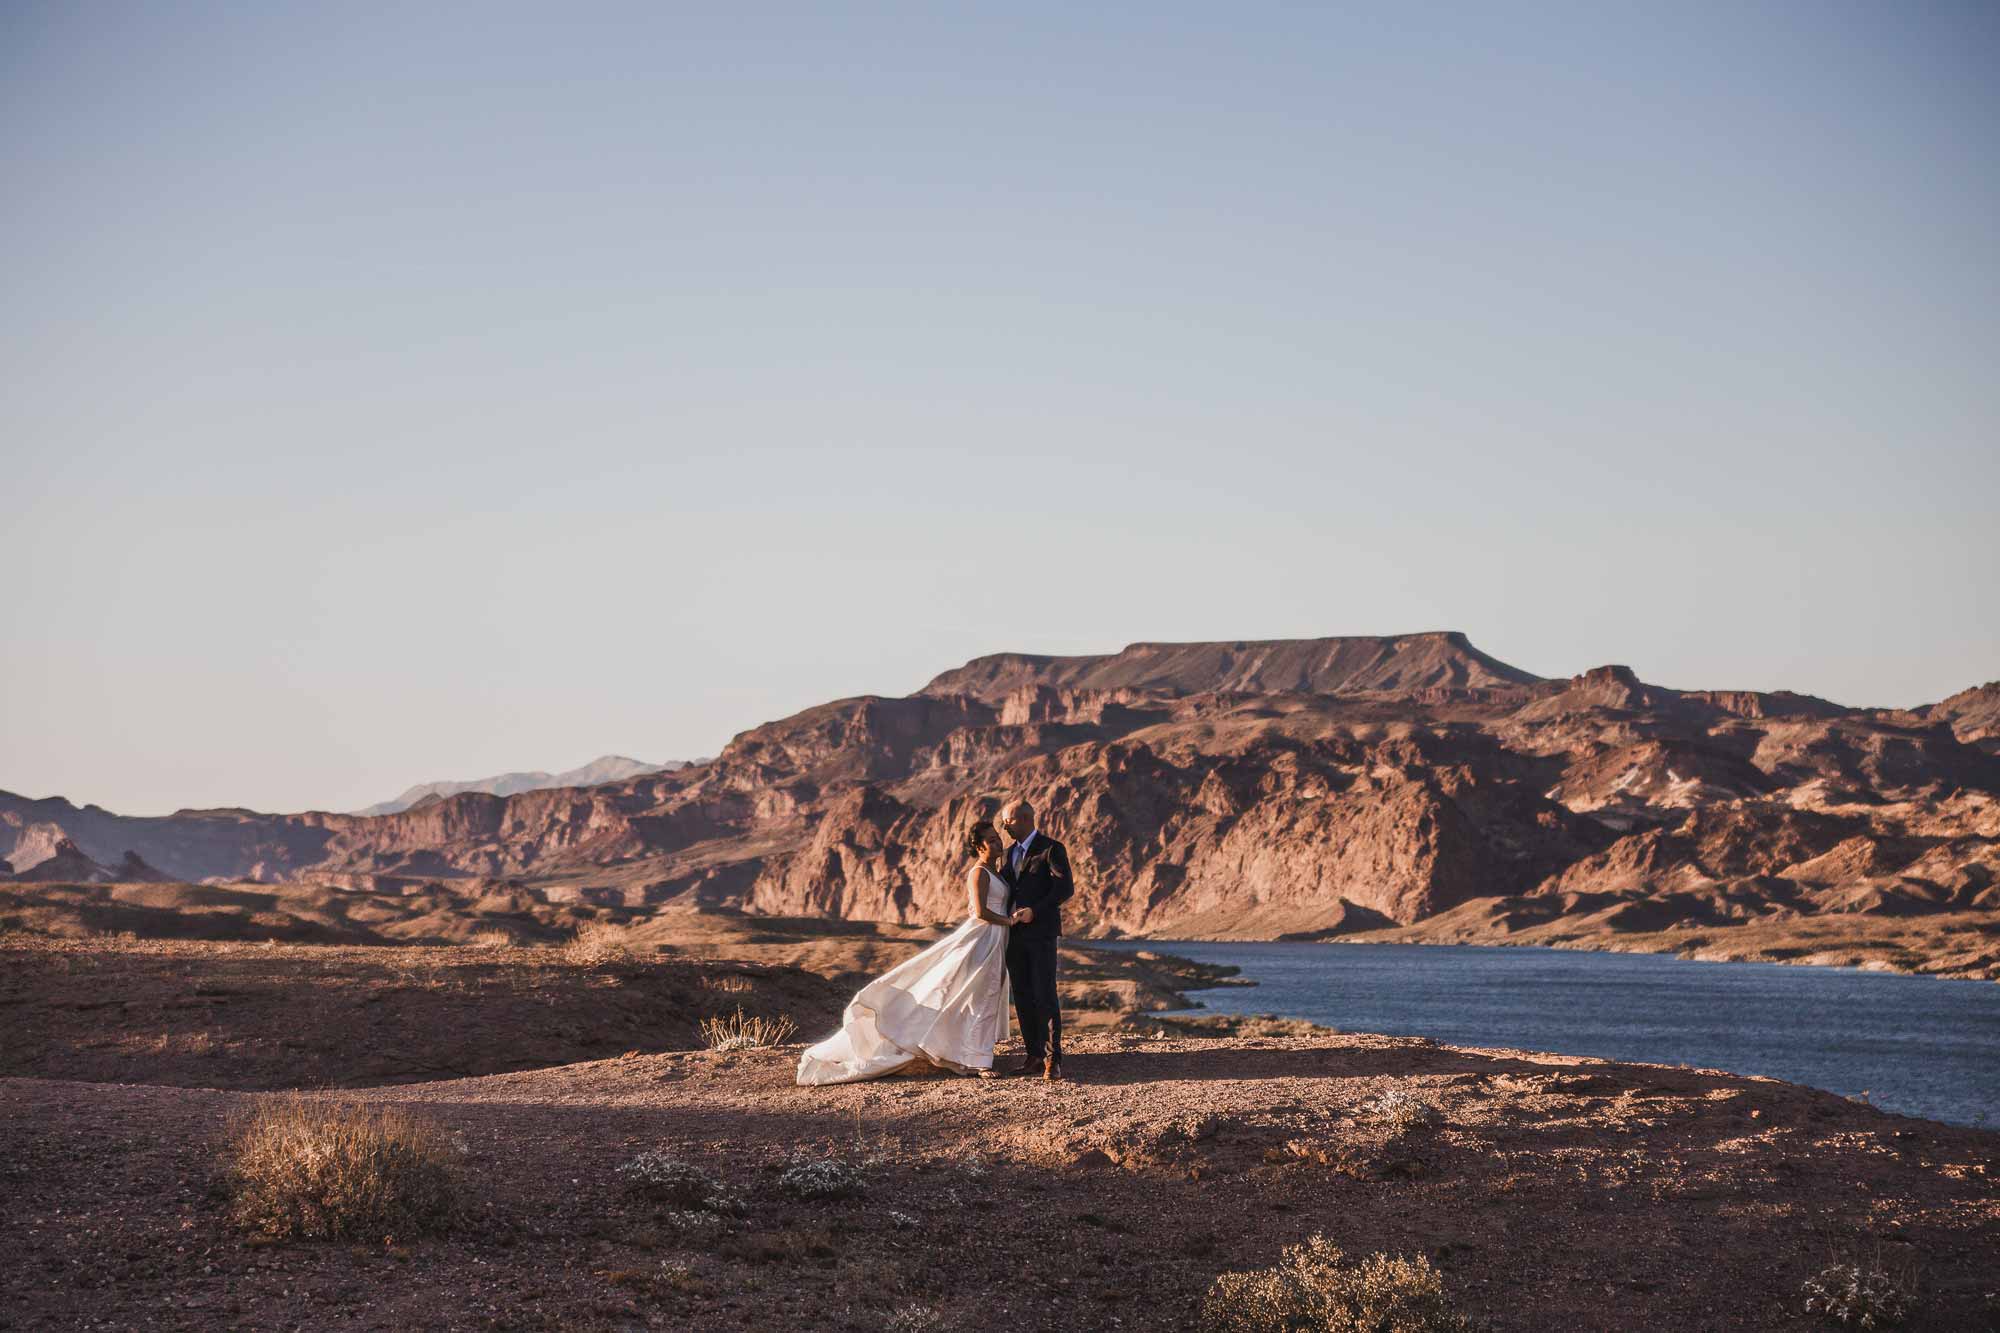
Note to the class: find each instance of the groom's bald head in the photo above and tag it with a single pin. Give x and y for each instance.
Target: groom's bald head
(1017, 819)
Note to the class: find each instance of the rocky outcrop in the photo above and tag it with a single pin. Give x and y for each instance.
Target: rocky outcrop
(66, 864)
(132, 869)
(1973, 715)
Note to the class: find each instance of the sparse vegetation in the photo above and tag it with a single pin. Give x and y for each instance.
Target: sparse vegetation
(739, 1032)
(915, 1319)
(694, 1226)
(334, 1171)
(665, 1179)
(820, 1178)
(1851, 1296)
(491, 938)
(592, 943)
(1314, 1289)
(1403, 1111)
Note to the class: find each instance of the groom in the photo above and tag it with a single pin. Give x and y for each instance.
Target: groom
(1037, 870)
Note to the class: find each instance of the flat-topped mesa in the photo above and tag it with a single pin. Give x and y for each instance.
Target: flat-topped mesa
(1399, 663)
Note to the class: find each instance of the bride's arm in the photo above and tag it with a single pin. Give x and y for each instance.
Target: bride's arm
(975, 898)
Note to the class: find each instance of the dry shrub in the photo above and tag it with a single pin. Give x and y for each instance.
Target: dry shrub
(1403, 1111)
(1855, 1296)
(813, 1179)
(593, 942)
(491, 938)
(1314, 1289)
(739, 1033)
(666, 1179)
(730, 983)
(336, 1171)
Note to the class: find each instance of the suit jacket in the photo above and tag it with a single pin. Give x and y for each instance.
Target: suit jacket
(1043, 884)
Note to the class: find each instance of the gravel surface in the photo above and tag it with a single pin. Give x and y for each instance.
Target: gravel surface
(1554, 1193)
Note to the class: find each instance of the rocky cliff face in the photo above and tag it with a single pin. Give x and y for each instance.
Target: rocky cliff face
(1245, 789)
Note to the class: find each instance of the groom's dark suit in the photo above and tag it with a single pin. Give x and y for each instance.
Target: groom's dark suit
(1040, 880)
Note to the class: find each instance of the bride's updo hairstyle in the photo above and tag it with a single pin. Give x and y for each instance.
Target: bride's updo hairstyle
(974, 845)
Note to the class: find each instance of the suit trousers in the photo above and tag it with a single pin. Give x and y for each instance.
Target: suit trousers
(1031, 967)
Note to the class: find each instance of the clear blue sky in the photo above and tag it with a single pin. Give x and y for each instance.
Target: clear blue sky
(389, 396)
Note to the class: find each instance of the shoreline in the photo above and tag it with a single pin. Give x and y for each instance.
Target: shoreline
(1844, 1064)
(1944, 947)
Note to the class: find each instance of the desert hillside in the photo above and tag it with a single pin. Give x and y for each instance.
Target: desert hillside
(1254, 790)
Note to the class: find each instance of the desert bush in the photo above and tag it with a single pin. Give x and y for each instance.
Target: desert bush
(492, 937)
(813, 1178)
(591, 943)
(740, 1033)
(335, 1171)
(730, 983)
(1856, 1297)
(676, 1275)
(665, 1179)
(693, 1226)
(1403, 1111)
(1314, 1289)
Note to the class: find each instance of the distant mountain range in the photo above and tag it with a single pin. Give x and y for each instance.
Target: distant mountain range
(1249, 789)
(603, 769)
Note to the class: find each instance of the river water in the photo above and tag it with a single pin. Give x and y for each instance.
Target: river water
(1917, 1045)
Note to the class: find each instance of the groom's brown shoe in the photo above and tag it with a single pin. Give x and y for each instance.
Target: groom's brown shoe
(1053, 1071)
(1022, 1070)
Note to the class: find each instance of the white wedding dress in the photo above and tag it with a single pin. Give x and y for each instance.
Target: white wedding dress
(947, 1005)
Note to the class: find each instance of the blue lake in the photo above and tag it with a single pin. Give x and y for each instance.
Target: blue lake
(1916, 1045)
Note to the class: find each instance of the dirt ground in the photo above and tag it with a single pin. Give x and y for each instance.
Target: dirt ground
(223, 1014)
(1553, 1193)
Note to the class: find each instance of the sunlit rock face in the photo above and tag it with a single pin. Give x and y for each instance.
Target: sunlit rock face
(1250, 789)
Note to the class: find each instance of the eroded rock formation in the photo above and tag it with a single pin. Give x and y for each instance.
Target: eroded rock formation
(1243, 789)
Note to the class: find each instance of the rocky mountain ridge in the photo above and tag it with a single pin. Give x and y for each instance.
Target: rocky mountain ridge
(1251, 790)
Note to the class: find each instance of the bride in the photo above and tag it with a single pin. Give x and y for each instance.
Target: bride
(946, 1006)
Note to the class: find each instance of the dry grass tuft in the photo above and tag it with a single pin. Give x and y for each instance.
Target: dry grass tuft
(491, 938)
(1314, 1289)
(740, 1033)
(335, 1171)
(594, 942)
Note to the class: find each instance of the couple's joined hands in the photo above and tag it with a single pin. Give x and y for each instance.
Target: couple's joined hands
(1023, 915)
